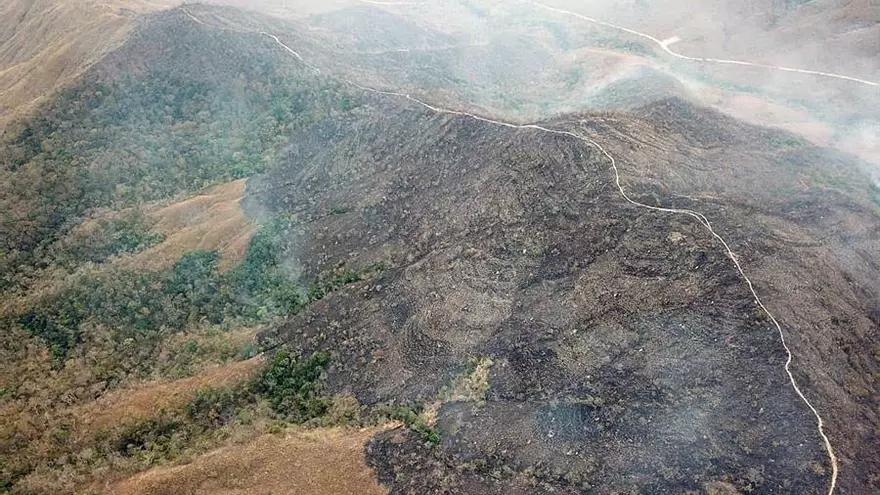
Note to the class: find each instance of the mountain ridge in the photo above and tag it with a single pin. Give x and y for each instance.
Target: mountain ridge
(457, 275)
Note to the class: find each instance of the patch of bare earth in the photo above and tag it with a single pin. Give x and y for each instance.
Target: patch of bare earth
(300, 462)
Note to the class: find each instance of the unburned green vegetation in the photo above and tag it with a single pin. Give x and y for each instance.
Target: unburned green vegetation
(413, 417)
(152, 133)
(291, 386)
(126, 323)
(145, 306)
(112, 326)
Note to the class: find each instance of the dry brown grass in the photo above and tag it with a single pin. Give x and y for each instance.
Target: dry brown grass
(45, 44)
(85, 426)
(211, 220)
(322, 461)
(129, 406)
(474, 386)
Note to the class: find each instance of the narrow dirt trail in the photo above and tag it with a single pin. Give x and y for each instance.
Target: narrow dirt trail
(391, 4)
(664, 45)
(699, 217)
(423, 50)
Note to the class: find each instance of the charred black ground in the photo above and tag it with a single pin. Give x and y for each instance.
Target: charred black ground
(626, 329)
(627, 352)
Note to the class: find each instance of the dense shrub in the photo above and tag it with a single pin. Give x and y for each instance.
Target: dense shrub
(157, 435)
(412, 416)
(292, 386)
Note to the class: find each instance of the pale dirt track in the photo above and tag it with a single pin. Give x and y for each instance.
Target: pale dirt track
(664, 45)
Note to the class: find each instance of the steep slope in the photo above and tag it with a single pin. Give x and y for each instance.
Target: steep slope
(46, 44)
(152, 120)
(627, 351)
(115, 265)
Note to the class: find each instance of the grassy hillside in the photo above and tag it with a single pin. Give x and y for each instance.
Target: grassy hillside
(46, 44)
(84, 184)
(152, 121)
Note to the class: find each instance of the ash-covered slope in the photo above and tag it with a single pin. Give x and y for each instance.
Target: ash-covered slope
(623, 349)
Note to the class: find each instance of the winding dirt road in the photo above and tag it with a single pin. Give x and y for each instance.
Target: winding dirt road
(664, 45)
(423, 49)
(820, 424)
